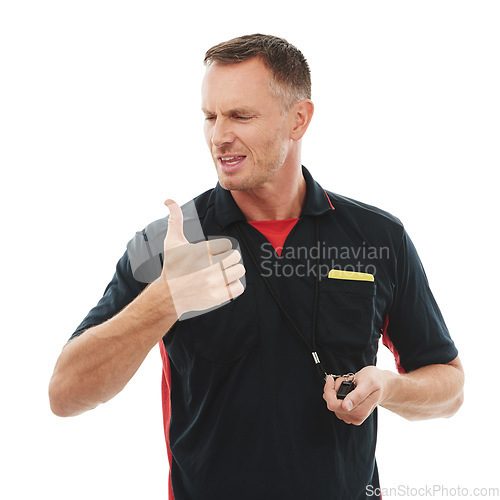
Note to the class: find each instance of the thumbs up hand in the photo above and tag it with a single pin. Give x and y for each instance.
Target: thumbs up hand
(202, 275)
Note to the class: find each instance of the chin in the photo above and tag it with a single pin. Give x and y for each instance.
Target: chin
(241, 182)
(239, 185)
(232, 185)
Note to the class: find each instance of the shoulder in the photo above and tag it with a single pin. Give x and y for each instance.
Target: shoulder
(364, 214)
(348, 206)
(372, 223)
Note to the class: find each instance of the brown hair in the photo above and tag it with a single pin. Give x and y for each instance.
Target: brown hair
(291, 80)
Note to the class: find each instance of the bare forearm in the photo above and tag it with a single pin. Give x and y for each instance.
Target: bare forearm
(96, 366)
(429, 392)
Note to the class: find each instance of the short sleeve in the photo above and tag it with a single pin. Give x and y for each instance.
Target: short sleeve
(416, 328)
(122, 290)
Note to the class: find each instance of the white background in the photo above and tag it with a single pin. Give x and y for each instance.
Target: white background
(100, 122)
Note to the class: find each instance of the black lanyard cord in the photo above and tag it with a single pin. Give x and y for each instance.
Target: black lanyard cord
(292, 323)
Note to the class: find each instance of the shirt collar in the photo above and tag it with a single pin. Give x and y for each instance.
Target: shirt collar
(227, 211)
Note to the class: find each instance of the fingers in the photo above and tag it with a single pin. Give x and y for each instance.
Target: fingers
(217, 250)
(329, 382)
(358, 404)
(235, 289)
(207, 288)
(200, 275)
(233, 273)
(175, 233)
(364, 399)
(219, 245)
(330, 394)
(229, 259)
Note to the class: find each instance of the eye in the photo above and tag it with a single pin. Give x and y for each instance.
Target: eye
(243, 118)
(209, 118)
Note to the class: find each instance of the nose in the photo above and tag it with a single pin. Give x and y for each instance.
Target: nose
(221, 132)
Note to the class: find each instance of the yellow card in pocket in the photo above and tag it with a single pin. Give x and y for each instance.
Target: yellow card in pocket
(350, 275)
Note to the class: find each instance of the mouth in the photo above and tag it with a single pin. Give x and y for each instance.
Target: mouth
(230, 163)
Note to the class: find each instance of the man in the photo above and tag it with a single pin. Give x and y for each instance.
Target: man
(325, 278)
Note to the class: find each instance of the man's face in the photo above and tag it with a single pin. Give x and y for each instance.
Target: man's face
(245, 127)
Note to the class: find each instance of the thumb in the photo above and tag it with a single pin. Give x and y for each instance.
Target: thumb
(175, 232)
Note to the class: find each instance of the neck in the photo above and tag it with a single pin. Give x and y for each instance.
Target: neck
(283, 198)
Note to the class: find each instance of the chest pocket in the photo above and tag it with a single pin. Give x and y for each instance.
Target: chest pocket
(229, 332)
(346, 315)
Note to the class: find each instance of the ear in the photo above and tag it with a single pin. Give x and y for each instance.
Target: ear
(301, 115)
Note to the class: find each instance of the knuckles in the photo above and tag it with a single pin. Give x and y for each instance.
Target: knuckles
(354, 417)
(240, 270)
(356, 420)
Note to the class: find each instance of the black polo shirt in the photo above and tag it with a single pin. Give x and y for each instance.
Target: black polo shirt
(243, 406)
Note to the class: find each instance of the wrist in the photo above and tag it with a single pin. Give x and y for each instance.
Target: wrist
(390, 383)
(156, 305)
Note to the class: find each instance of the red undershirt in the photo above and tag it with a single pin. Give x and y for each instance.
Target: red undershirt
(276, 231)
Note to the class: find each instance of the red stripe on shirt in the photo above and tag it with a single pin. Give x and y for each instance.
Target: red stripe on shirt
(388, 343)
(167, 411)
(329, 201)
